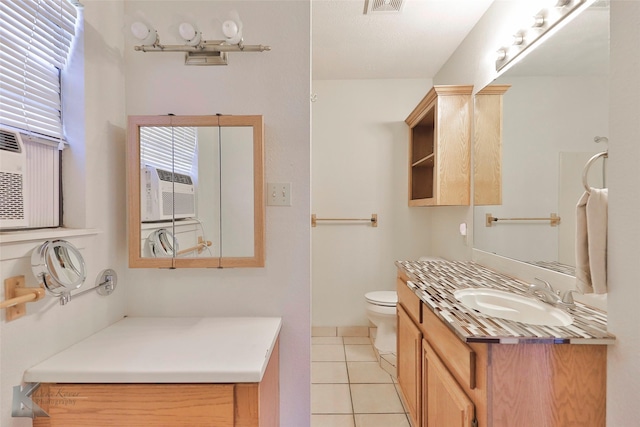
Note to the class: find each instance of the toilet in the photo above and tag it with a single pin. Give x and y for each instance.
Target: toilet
(381, 311)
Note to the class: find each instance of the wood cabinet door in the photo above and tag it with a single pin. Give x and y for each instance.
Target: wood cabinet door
(135, 405)
(444, 404)
(409, 360)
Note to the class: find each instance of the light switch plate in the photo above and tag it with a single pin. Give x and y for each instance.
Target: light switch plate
(279, 194)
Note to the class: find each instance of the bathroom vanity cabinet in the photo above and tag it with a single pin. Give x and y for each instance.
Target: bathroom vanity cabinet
(448, 381)
(169, 405)
(440, 147)
(170, 372)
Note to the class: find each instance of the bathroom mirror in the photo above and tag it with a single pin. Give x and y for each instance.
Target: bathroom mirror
(196, 191)
(557, 104)
(59, 265)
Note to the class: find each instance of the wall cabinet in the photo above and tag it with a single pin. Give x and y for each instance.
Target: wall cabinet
(487, 145)
(440, 147)
(494, 385)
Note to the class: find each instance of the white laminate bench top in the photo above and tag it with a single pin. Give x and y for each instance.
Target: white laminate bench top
(166, 350)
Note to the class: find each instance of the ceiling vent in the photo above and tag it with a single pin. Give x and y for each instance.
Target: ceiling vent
(382, 6)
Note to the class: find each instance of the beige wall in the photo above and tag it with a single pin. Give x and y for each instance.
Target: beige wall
(359, 163)
(623, 369)
(93, 199)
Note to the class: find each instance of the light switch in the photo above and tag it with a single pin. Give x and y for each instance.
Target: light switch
(279, 194)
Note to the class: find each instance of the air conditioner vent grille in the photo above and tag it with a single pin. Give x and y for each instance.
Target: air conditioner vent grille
(11, 200)
(9, 142)
(177, 177)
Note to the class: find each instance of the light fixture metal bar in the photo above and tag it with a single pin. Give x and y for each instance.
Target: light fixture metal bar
(205, 46)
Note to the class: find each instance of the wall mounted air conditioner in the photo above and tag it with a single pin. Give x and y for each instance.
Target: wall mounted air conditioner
(162, 192)
(13, 180)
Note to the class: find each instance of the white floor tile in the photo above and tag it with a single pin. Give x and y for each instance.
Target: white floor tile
(327, 353)
(330, 399)
(326, 340)
(375, 399)
(329, 373)
(360, 353)
(381, 420)
(367, 372)
(332, 420)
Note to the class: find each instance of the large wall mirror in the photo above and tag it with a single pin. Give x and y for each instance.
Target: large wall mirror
(196, 191)
(557, 106)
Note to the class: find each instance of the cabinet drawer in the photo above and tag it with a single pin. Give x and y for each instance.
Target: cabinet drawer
(409, 300)
(460, 358)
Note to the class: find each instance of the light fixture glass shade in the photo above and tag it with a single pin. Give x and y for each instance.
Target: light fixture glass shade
(189, 34)
(232, 30)
(144, 33)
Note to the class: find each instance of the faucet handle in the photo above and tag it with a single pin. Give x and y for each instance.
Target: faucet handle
(567, 297)
(547, 284)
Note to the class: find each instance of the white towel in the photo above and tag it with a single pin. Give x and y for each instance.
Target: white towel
(591, 242)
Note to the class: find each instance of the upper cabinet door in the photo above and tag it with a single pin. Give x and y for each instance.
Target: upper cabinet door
(440, 148)
(196, 191)
(487, 145)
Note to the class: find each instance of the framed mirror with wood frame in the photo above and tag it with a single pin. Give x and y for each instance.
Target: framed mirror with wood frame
(195, 191)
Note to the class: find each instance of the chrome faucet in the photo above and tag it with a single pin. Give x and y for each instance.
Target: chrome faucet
(547, 294)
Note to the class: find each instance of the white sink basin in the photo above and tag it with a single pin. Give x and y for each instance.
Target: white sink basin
(510, 306)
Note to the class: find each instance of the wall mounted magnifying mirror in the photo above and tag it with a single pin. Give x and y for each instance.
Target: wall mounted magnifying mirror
(196, 191)
(59, 266)
(162, 244)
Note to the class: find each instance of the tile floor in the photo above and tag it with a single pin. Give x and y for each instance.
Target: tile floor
(349, 388)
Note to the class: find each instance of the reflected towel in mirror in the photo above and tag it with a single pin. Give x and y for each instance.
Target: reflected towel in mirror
(591, 242)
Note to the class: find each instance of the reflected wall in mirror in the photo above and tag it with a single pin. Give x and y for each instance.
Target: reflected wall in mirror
(196, 191)
(557, 104)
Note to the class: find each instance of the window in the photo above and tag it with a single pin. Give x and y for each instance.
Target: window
(36, 38)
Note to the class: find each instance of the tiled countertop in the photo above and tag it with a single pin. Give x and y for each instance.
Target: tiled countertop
(435, 281)
(167, 350)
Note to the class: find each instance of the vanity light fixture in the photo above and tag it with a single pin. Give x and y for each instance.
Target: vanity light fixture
(197, 51)
(544, 24)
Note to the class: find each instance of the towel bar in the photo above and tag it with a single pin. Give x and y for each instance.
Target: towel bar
(17, 296)
(373, 219)
(553, 219)
(585, 171)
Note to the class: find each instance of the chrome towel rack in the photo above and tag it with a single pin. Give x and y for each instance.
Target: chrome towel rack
(373, 220)
(585, 171)
(553, 219)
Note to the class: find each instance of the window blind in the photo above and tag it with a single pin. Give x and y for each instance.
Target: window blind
(156, 149)
(35, 41)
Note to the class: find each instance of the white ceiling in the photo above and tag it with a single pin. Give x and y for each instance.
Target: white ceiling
(412, 43)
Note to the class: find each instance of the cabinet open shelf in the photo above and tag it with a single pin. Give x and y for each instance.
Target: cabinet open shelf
(440, 141)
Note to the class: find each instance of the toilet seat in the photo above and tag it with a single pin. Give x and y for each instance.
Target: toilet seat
(382, 298)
